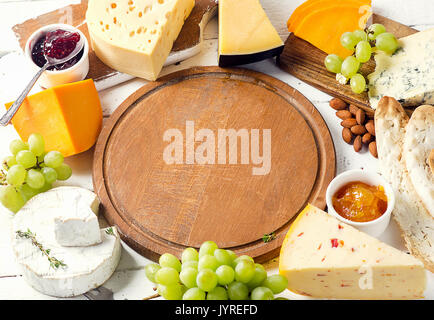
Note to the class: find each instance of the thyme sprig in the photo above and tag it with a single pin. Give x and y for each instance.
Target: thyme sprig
(54, 263)
(269, 237)
(109, 231)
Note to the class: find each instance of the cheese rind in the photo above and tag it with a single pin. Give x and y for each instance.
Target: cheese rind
(407, 74)
(325, 258)
(136, 37)
(86, 267)
(246, 34)
(77, 223)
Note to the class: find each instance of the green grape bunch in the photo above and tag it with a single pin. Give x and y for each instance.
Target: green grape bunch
(213, 274)
(30, 170)
(363, 43)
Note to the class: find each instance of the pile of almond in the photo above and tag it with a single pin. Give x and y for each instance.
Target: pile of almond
(358, 128)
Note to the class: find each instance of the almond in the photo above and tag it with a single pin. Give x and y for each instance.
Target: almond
(357, 144)
(370, 126)
(358, 129)
(348, 123)
(367, 137)
(338, 104)
(373, 149)
(360, 116)
(347, 135)
(353, 109)
(344, 114)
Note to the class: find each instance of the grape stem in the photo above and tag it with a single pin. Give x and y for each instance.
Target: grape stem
(156, 295)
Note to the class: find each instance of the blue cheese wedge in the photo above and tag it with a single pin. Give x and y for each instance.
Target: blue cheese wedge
(54, 269)
(408, 74)
(324, 258)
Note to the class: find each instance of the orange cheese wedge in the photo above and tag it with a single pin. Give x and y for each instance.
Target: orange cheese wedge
(69, 117)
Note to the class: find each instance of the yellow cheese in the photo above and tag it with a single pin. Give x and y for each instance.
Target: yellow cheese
(136, 36)
(325, 258)
(69, 117)
(245, 33)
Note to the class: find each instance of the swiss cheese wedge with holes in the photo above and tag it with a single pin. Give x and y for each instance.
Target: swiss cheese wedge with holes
(133, 36)
(324, 258)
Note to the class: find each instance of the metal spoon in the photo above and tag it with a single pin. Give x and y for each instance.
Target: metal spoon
(7, 117)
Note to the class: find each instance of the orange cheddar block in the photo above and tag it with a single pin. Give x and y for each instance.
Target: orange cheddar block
(69, 117)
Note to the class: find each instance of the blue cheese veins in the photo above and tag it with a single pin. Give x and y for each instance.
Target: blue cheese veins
(408, 74)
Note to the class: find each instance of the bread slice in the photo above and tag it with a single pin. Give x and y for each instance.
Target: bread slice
(418, 143)
(415, 222)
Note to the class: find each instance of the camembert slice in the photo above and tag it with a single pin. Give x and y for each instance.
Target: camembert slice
(134, 36)
(325, 258)
(246, 34)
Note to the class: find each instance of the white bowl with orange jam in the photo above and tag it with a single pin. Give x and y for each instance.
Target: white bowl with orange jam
(362, 199)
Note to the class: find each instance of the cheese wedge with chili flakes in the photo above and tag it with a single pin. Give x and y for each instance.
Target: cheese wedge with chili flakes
(324, 258)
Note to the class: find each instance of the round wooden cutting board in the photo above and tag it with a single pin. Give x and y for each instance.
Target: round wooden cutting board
(163, 177)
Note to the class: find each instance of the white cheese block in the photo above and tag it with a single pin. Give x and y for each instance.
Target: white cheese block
(76, 224)
(85, 267)
(136, 37)
(325, 258)
(407, 75)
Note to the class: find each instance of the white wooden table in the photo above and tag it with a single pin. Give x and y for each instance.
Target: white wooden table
(129, 280)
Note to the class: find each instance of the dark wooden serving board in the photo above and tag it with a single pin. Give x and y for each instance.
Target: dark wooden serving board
(189, 37)
(160, 207)
(306, 62)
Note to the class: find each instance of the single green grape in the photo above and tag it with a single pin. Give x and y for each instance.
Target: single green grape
(35, 179)
(27, 192)
(189, 254)
(188, 277)
(10, 161)
(170, 292)
(53, 159)
(258, 265)
(26, 158)
(16, 175)
(150, 271)
(64, 172)
(36, 144)
(375, 30)
(17, 145)
(190, 264)
(349, 40)
(244, 271)
(169, 260)
(358, 83)
(360, 35)
(258, 278)
(11, 199)
(49, 174)
(386, 42)
(167, 276)
(206, 280)
(276, 283)
(194, 294)
(241, 258)
(208, 262)
(208, 247)
(225, 275)
(363, 51)
(223, 257)
(218, 293)
(232, 254)
(262, 293)
(45, 188)
(350, 66)
(238, 291)
(333, 63)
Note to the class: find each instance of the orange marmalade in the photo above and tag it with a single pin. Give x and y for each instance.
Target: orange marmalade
(360, 202)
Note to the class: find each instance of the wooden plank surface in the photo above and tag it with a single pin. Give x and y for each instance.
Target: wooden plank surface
(306, 62)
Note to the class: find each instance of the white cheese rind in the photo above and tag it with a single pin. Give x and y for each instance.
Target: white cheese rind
(86, 267)
(325, 258)
(407, 75)
(136, 37)
(76, 224)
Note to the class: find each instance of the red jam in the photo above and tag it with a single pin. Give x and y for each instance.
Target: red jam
(360, 202)
(57, 44)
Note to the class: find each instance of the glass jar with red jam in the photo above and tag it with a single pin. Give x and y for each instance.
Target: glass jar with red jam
(360, 202)
(56, 44)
